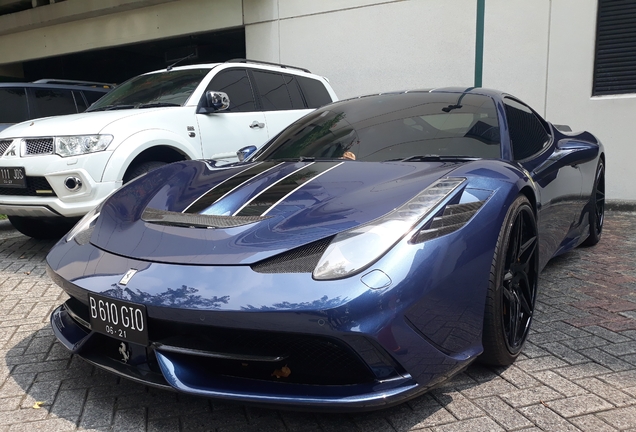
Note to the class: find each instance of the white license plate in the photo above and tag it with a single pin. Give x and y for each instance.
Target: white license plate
(119, 319)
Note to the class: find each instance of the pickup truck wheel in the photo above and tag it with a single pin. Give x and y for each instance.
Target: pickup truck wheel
(141, 169)
(42, 228)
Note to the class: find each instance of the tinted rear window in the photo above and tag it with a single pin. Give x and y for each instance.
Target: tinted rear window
(13, 105)
(394, 127)
(273, 91)
(52, 102)
(314, 91)
(92, 96)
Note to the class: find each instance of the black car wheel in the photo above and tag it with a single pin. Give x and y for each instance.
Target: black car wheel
(512, 288)
(597, 207)
(42, 228)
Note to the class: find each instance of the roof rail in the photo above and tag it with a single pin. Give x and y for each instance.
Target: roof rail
(242, 60)
(74, 82)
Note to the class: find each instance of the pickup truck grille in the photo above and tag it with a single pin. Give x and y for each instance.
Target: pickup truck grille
(4, 145)
(35, 146)
(36, 186)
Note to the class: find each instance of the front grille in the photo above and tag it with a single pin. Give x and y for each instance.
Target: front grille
(35, 146)
(300, 260)
(36, 186)
(4, 145)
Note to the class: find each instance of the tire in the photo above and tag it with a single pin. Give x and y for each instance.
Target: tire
(141, 169)
(42, 228)
(512, 289)
(597, 207)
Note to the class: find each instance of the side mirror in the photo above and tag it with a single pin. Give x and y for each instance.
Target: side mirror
(214, 101)
(245, 152)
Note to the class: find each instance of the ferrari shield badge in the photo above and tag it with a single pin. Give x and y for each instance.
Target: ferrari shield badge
(126, 278)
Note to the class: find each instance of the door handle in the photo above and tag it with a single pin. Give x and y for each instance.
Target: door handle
(256, 124)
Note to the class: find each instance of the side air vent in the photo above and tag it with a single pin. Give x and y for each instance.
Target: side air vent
(454, 217)
(163, 217)
(38, 146)
(300, 260)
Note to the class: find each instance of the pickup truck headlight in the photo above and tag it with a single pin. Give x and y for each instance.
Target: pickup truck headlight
(81, 144)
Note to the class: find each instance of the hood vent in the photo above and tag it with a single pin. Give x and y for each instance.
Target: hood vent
(454, 217)
(300, 260)
(163, 217)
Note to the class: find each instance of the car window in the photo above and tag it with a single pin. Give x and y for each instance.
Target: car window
(13, 105)
(167, 88)
(236, 84)
(294, 92)
(272, 91)
(314, 91)
(528, 136)
(92, 96)
(394, 127)
(52, 102)
(79, 101)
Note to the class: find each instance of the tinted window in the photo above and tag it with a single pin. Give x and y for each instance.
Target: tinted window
(92, 96)
(51, 102)
(315, 92)
(294, 92)
(394, 127)
(13, 105)
(79, 101)
(527, 134)
(236, 84)
(273, 91)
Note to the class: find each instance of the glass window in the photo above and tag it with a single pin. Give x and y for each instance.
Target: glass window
(92, 96)
(394, 127)
(527, 134)
(13, 105)
(79, 101)
(52, 102)
(315, 92)
(236, 84)
(273, 91)
(156, 89)
(294, 92)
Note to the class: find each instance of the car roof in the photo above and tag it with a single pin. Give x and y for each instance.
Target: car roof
(53, 86)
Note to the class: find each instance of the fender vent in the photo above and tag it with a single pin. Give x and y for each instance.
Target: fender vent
(300, 260)
(454, 217)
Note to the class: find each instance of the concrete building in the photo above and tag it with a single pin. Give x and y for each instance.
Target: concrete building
(542, 51)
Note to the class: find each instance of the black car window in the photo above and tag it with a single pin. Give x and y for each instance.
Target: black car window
(528, 136)
(272, 91)
(92, 96)
(394, 127)
(79, 101)
(294, 92)
(13, 105)
(52, 102)
(314, 91)
(236, 84)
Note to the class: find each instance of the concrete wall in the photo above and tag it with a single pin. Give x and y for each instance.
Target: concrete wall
(83, 25)
(542, 51)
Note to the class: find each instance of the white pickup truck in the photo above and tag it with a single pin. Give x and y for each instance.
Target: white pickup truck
(54, 170)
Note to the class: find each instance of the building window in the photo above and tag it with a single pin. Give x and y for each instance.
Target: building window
(615, 62)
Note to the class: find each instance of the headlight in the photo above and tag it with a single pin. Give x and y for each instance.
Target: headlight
(81, 144)
(86, 223)
(352, 251)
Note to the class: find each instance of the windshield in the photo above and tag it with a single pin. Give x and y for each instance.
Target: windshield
(414, 126)
(157, 89)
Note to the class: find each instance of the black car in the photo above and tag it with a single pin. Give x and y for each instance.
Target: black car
(24, 101)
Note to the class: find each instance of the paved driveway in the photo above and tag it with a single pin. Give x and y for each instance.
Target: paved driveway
(578, 371)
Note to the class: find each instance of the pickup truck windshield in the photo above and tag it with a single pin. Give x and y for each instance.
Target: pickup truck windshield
(153, 90)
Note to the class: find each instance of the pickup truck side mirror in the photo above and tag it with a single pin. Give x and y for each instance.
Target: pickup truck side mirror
(213, 102)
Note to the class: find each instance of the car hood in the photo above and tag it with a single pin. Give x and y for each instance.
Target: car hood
(87, 123)
(192, 213)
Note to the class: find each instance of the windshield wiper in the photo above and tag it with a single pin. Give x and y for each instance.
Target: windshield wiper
(158, 104)
(432, 157)
(111, 108)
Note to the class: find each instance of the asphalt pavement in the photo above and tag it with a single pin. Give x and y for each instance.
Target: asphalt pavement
(577, 371)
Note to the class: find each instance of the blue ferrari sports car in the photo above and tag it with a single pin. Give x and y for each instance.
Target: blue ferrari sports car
(368, 252)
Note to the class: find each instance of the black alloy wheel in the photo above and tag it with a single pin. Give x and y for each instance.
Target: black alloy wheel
(597, 207)
(513, 286)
